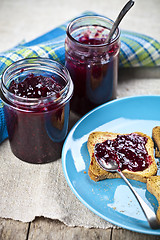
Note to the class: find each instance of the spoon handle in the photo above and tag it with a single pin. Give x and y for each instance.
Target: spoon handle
(119, 18)
(150, 215)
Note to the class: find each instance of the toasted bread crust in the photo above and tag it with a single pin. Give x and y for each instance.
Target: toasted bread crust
(153, 186)
(156, 139)
(96, 173)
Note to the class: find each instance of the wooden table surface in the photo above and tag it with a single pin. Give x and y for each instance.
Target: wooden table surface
(21, 19)
(46, 229)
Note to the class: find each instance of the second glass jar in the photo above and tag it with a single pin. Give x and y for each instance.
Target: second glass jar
(92, 62)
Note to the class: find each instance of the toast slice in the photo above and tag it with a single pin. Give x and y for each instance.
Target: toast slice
(153, 186)
(96, 173)
(156, 139)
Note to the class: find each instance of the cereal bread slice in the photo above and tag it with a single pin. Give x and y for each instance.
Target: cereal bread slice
(153, 186)
(96, 173)
(156, 140)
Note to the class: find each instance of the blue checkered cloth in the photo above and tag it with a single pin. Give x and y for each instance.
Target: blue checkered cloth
(137, 50)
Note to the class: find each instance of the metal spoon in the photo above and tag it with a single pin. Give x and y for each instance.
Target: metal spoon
(119, 18)
(112, 166)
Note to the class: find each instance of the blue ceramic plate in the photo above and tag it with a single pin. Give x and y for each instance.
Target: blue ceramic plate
(111, 199)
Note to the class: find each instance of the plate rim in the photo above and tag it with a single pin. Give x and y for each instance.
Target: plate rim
(131, 228)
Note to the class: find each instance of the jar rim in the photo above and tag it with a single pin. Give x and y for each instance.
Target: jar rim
(64, 95)
(76, 20)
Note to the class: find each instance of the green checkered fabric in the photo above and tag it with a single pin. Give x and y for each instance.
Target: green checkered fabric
(138, 50)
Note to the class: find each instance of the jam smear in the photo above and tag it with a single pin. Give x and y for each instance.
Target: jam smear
(128, 150)
(35, 86)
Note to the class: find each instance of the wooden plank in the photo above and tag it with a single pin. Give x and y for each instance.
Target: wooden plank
(13, 230)
(121, 234)
(48, 229)
(52, 229)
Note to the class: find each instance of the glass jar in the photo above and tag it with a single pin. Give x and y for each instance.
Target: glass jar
(36, 124)
(92, 63)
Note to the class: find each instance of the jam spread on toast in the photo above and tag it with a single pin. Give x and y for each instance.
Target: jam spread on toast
(128, 150)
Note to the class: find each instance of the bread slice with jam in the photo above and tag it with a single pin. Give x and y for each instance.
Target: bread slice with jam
(96, 173)
(153, 186)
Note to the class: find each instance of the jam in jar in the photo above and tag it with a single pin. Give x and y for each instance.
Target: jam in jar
(36, 93)
(92, 62)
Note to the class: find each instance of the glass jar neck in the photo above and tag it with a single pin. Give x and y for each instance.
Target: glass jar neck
(88, 35)
(22, 68)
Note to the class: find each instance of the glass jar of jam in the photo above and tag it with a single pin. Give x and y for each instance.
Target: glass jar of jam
(36, 93)
(92, 62)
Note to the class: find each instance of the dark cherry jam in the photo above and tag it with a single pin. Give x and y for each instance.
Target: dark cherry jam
(35, 86)
(93, 66)
(36, 133)
(36, 93)
(91, 41)
(128, 150)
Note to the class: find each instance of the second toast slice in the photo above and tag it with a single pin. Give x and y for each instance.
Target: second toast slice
(153, 186)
